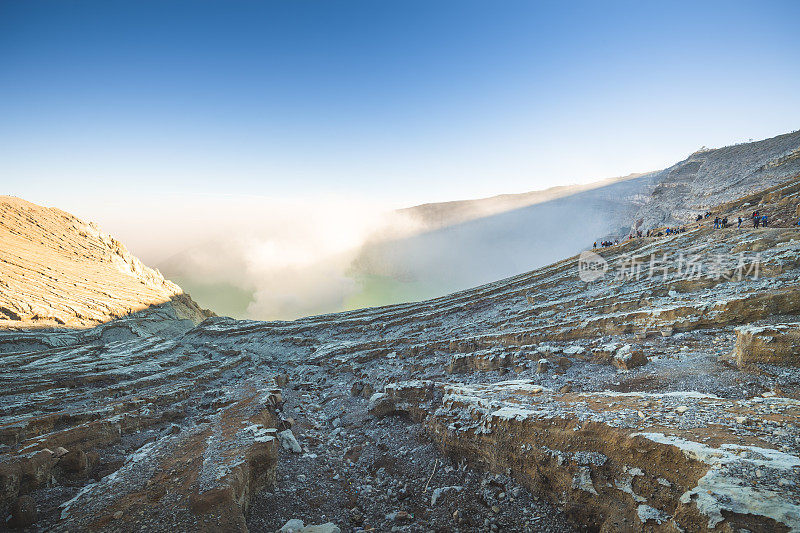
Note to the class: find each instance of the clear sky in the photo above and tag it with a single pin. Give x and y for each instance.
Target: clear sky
(398, 101)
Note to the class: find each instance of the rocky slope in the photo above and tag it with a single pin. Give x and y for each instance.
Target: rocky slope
(662, 395)
(472, 242)
(480, 250)
(57, 270)
(708, 178)
(433, 216)
(434, 249)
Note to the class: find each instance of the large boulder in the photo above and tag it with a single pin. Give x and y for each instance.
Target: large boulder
(74, 462)
(777, 344)
(296, 525)
(23, 512)
(289, 442)
(381, 404)
(627, 358)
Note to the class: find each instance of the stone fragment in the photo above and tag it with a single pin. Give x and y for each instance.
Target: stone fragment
(399, 516)
(74, 462)
(777, 344)
(646, 513)
(289, 442)
(292, 526)
(23, 512)
(627, 358)
(441, 491)
(380, 404)
(574, 349)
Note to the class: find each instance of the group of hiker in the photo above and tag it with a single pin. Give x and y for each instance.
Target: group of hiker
(758, 218)
(667, 231)
(606, 244)
(638, 235)
(674, 231)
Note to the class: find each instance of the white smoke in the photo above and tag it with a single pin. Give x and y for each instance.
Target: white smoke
(291, 256)
(269, 258)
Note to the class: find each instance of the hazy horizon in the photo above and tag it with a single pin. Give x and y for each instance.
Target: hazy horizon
(273, 137)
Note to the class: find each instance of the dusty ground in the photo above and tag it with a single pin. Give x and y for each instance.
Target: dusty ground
(631, 403)
(361, 472)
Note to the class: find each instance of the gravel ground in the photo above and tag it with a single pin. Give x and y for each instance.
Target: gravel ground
(366, 474)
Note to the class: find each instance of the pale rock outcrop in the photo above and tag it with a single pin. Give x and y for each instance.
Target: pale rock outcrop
(776, 344)
(57, 270)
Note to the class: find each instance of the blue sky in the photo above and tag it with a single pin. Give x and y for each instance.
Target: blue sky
(400, 102)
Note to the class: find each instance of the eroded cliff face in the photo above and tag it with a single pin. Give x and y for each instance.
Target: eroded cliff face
(709, 178)
(57, 270)
(664, 395)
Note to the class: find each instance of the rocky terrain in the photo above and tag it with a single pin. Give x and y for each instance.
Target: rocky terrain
(653, 386)
(515, 233)
(57, 270)
(434, 249)
(708, 178)
(433, 216)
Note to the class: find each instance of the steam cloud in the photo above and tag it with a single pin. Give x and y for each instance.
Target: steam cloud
(279, 258)
(253, 257)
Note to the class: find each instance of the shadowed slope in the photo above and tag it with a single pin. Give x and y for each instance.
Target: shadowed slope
(56, 269)
(466, 248)
(441, 214)
(708, 178)
(654, 403)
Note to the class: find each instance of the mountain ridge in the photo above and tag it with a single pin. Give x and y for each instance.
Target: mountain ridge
(631, 402)
(57, 270)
